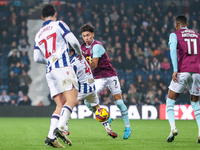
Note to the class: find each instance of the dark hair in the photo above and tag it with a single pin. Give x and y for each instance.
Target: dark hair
(48, 10)
(87, 27)
(182, 19)
(71, 49)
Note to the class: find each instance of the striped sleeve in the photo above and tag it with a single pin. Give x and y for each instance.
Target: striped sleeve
(70, 37)
(36, 47)
(64, 28)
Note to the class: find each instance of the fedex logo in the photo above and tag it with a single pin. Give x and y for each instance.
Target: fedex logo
(181, 112)
(134, 112)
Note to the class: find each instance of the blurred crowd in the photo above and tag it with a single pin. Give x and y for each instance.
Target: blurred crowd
(14, 59)
(134, 33)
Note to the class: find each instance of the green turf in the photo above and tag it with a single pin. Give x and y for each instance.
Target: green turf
(89, 134)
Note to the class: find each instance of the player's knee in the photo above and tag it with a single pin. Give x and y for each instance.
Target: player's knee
(194, 98)
(117, 96)
(173, 95)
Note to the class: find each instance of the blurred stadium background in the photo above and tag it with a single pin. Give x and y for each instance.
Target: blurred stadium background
(134, 33)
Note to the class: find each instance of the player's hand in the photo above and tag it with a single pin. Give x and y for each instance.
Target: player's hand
(174, 77)
(80, 57)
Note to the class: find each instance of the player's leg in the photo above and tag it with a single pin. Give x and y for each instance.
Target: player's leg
(175, 88)
(196, 108)
(88, 106)
(93, 101)
(114, 87)
(71, 102)
(106, 123)
(195, 93)
(172, 96)
(100, 84)
(67, 83)
(124, 112)
(51, 139)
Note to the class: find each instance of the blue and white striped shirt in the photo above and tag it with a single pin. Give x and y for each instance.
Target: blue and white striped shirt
(51, 45)
(59, 63)
(84, 74)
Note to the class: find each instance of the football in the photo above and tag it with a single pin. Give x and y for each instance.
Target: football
(102, 114)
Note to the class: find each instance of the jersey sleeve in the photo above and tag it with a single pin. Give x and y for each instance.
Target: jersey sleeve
(38, 56)
(70, 37)
(64, 28)
(173, 50)
(98, 50)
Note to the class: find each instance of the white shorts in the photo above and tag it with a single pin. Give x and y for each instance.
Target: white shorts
(91, 97)
(192, 80)
(111, 82)
(60, 80)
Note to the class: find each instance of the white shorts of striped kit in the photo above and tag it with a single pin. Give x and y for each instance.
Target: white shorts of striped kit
(60, 80)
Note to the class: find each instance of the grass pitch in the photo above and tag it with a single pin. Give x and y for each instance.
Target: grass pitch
(89, 134)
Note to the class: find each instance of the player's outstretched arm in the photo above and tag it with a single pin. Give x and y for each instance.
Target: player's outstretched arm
(73, 42)
(69, 37)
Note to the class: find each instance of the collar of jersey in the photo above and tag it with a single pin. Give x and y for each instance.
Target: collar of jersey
(184, 28)
(46, 22)
(72, 57)
(90, 45)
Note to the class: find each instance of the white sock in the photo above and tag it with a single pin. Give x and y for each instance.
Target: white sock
(53, 125)
(106, 125)
(64, 117)
(172, 124)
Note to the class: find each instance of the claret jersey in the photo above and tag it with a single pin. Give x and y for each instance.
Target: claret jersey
(104, 68)
(187, 49)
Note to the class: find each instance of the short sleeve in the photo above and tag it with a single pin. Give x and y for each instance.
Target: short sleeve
(98, 50)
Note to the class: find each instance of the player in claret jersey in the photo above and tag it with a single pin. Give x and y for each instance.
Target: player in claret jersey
(51, 48)
(103, 71)
(185, 55)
